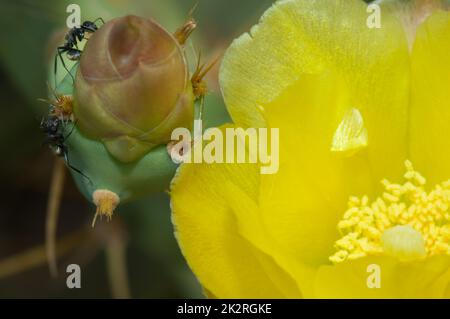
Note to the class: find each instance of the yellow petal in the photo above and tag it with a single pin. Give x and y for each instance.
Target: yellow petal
(206, 218)
(301, 70)
(430, 98)
(252, 226)
(354, 279)
(298, 37)
(303, 202)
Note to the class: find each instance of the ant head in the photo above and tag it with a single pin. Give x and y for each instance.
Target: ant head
(50, 125)
(89, 26)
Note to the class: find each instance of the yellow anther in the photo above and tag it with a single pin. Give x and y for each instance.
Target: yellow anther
(406, 222)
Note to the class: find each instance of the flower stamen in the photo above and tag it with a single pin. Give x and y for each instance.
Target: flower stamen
(405, 222)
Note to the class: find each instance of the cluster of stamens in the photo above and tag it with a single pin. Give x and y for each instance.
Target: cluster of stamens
(406, 221)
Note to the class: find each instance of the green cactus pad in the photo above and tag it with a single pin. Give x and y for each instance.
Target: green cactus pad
(151, 173)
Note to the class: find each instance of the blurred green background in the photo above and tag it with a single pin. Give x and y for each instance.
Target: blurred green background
(155, 267)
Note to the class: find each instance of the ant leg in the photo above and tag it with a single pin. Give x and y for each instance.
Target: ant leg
(99, 19)
(55, 67)
(60, 51)
(66, 158)
(70, 133)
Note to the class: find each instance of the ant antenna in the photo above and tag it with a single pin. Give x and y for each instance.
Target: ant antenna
(99, 19)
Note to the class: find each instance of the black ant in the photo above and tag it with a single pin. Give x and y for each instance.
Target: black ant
(53, 127)
(70, 46)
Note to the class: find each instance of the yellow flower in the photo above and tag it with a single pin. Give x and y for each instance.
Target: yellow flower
(354, 105)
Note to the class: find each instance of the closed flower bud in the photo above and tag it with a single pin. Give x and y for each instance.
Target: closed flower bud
(132, 87)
